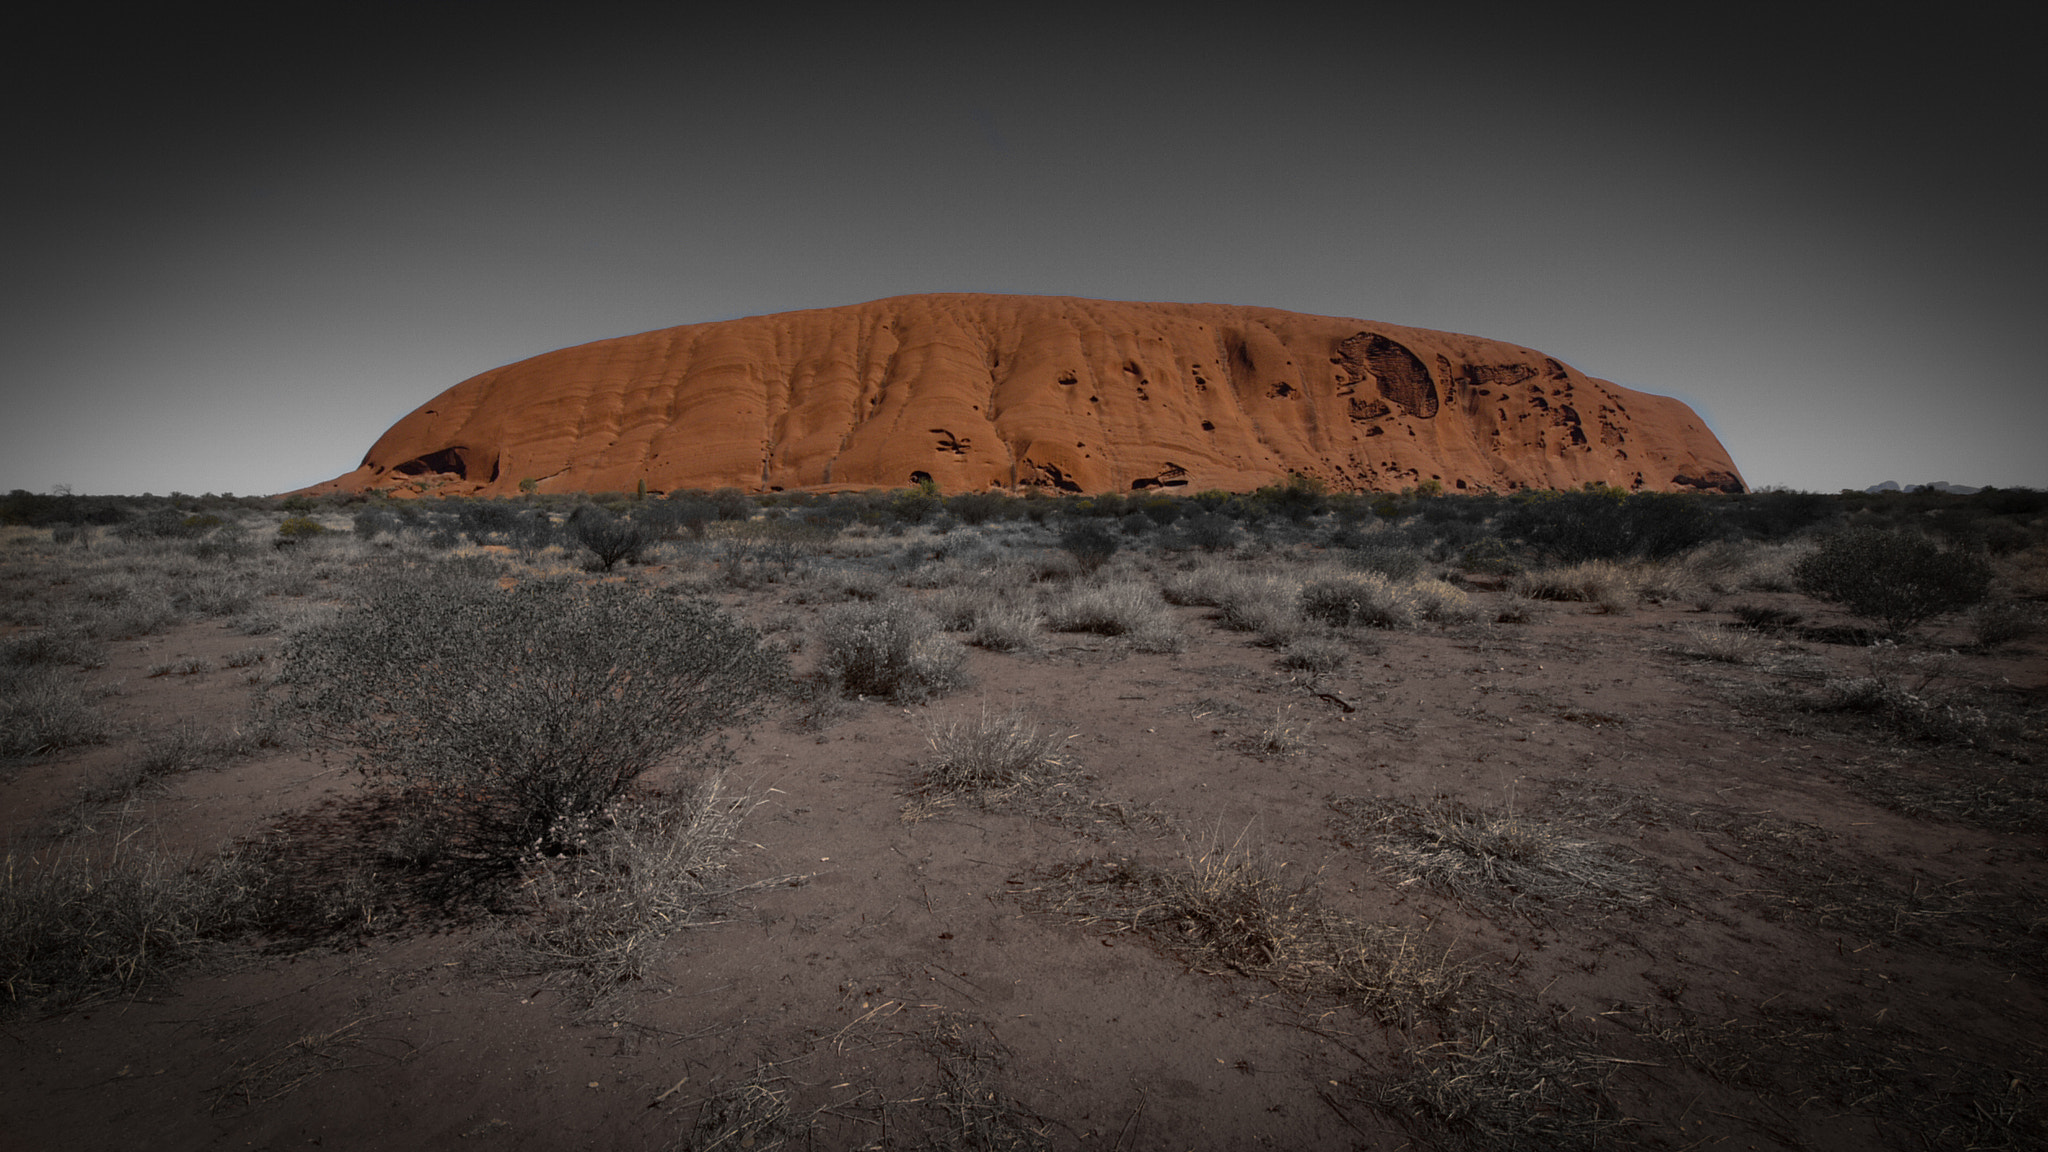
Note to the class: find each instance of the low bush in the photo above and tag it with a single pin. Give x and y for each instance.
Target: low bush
(513, 710)
(1609, 524)
(1725, 645)
(228, 542)
(1365, 600)
(1491, 855)
(1915, 694)
(51, 646)
(1006, 627)
(1117, 609)
(371, 523)
(297, 528)
(610, 539)
(1316, 655)
(1898, 579)
(1209, 531)
(2006, 622)
(1390, 560)
(1762, 616)
(1605, 585)
(1090, 542)
(78, 927)
(1489, 556)
(1441, 603)
(42, 711)
(889, 648)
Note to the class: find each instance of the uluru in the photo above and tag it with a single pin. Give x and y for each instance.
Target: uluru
(974, 392)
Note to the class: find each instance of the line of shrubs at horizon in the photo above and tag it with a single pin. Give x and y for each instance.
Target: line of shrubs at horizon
(1594, 522)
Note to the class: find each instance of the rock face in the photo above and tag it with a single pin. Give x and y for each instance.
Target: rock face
(1074, 395)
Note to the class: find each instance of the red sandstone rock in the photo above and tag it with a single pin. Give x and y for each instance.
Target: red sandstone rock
(981, 392)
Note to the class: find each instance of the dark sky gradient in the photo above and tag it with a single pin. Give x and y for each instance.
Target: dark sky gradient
(240, 249)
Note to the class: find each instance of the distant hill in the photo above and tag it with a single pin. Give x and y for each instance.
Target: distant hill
(1937, 486)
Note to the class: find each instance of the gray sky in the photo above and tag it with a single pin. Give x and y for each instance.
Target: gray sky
(238, 251)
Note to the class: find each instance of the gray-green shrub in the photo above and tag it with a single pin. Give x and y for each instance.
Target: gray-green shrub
(609, 538)
(1365, 600)
(888, 648)
(1896, 578)
(512, 710)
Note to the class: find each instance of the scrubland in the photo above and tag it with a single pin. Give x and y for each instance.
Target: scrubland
(890, 820)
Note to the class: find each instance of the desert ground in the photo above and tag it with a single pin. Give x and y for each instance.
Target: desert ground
(1150, 839)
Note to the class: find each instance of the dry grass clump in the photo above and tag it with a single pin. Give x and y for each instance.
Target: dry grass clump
(626, 878)
(1006, 627)
(1441, 602)
(752, 1116)
(974, 1111)
(1500, 1077)
(1491, 856)
(1287, 735)
(889, 648)
(1800, 876)
(44, 711)
(1744, 646)
(1726, 567)
(1359, 600)
(51, 647)
(1765, 617)
(1246, 599)
(1671, 582)
(1518, 609)
(1511, 1085)
(1123, 608)
(2006, 798)
(1223, 910)
(999, 618)
(1316, 655)
(1607, 586)
(989, 757)
(184, 748)
(840, 584)
(76, 927)
(1215, 583)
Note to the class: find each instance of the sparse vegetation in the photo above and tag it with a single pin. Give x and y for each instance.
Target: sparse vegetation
(1725, 645)
(1223, 909)
(1492, 855)
(1717, 763)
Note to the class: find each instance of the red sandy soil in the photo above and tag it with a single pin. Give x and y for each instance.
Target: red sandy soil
(909, 944)
(977, 391)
